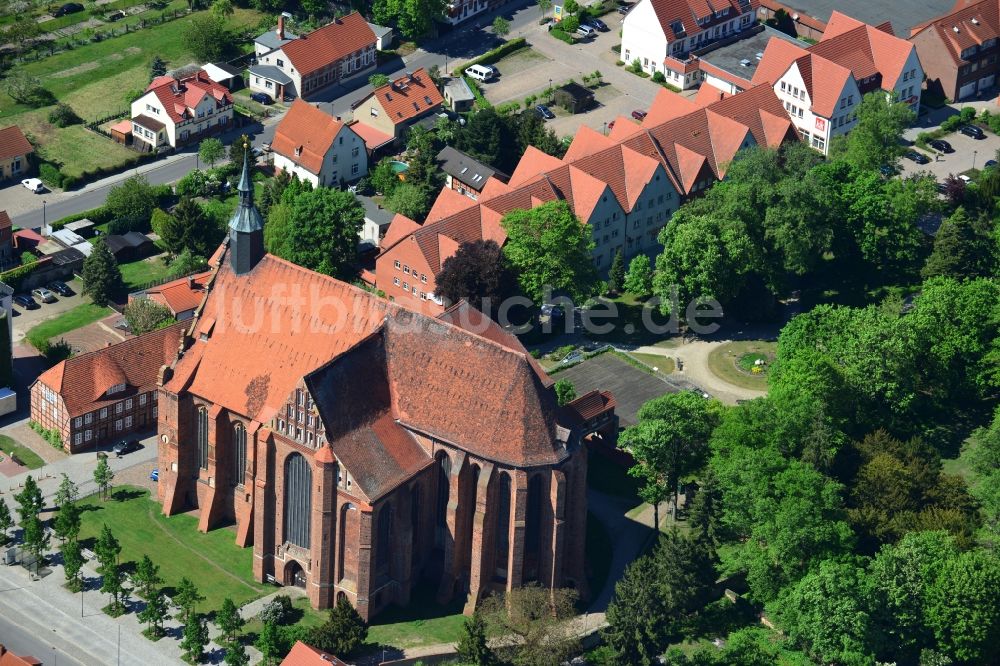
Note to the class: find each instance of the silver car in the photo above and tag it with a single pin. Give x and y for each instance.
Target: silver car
(44, 295)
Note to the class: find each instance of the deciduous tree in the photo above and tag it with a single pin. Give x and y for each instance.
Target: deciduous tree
(68, 491)
(962, 610)
(72, 559)
(565, 392)
(6, 522)
(29, 500)
(187, 597)
(146, 577)
(535, 616)
(103, 476)
(269, 644)
(133, 199)
(501, 26)
(144, 315)
(875, 140)
(228, 620)
(639, 279)
(479, 273)
(211, 149)
(67, 523)
(207, 38)
(550, 249)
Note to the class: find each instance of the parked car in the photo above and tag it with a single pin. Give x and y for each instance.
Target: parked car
(60, 288)
(261, 98)
(34, 185)
(990, 163)
(917, 157)
(116, 16)
(155, 474)
(639, 114)
(68, 8)
(44, 295)
(623, 9)
(942, 145)
(481, 73)
(965, 179)
(25, 301)
(125, 446)
(586, 31)
(598, 24)
(544, 112)
(973, 131)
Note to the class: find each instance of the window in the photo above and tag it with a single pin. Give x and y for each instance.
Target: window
(423, 278)
(118, 407)
(128, 404)
(142, 399)
(395, 281)
(117, 388)
(128, 421)
(843, 102)
(374, 112)
(300, 397)
(239, 453)
(77, 422)
(104, 412)
(89, 435)
(281, 425)
(202, 436)
(88, 418)
(406, 286)
(78, 438)
(354, 170)
(268, 84)
(354, 152)
(850, 100)
(396, 264)
(280, 62)
(298, 500)
(118, 424)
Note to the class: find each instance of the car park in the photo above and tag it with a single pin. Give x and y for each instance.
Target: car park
(973, 131)
(44, 295)
(544, 112)
(917, 157)
(638, 114)
(941, 145)
(60, 288)
(34, 185)
(25, 301)
(125, 446)
(261, 98)
(598, 24)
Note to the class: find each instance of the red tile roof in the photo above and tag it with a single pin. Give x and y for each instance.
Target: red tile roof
(8, 658)
(306, 655)
(687, 12)
(329, 44)
(590, 405)
(83, 380)
(967, 24)
(372, 137)
(806, 20)
(408, 97)
(180, 96)
(824, 79)
(13, 143)
(305, 135)
(181, 295)
(690, 147)
(5, 222)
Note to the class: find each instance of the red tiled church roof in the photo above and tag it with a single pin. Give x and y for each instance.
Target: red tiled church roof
(83, 380)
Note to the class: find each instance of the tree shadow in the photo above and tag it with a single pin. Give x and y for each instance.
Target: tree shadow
(126, 494)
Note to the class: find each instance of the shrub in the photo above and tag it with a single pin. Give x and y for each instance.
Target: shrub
(69, 182)
(51, 436)
(14, 278)
(561, 36)
(658, 77)
(276, 611)
(569, 24)
(50, 175)
(994, 123)
(493, 55)
(952, 123)
(967, 114)
(636, 66)
(123, 225)
(63, 115)
(508, 108)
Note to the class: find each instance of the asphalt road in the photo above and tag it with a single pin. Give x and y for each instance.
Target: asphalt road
(463, 43)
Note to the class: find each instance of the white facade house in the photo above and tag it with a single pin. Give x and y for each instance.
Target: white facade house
(661, 34)
(173, 111)
(318, 148)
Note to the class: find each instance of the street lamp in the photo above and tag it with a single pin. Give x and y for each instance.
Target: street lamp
(550, 91)
(974, 153)
(43, 213)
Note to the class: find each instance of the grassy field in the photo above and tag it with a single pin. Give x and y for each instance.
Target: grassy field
(24, 455)
(137, 274)
(663, 364)
(70, 320)
(724, 362)
(99, 79)
(212, 561)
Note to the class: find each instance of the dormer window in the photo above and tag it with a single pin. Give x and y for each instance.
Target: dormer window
(117, 388)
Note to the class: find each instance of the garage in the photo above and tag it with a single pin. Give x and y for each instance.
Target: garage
(968, 90)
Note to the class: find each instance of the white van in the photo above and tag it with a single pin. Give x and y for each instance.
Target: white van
(586, 31)
(480, 72)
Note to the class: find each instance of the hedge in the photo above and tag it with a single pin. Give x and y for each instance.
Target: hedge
(96, 215)
(493, 55)
(481, 101)
(561, 35)
(15, 276)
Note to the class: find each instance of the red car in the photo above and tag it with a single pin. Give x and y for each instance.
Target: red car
(638, 115)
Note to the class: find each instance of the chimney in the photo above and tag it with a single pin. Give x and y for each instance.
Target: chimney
(190, 282)
(281, 27)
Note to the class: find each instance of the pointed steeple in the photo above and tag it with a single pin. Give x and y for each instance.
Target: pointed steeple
(246, 226)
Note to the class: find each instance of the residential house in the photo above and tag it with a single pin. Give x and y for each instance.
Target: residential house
(8, 658)
(105, 395)
(299, 66)
(15, 153)
(173, 112)
(6, 239)
(391, 109)
(181, 296)
(317, 147)
(730, 66)
(306, 655)
(821, 86)
(959, 49)
(361, 447)
(624, 186)
(465, 174)
(661, 34)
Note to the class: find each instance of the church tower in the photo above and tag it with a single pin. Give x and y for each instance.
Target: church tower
(246, 227)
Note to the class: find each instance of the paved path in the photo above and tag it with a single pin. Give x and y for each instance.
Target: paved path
(694, 359)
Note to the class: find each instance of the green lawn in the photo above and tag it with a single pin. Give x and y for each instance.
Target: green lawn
(22, 453)
(630, 323)
(663, 364)
(70, 320)
(138, 274)
(724, 362)
(212, 561)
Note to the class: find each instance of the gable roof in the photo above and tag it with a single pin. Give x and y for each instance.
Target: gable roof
(305, 135)
(180, 295)
(408, 97)
(83, 380)
(8, 658)
(306, 655)
(679, 18)
(464, 167)
(179, 96)
(967, 24)
(329, 44)
(13, 143)
(824, 79)
(864, 49)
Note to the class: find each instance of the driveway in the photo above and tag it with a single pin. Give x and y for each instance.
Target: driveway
(25, 320)
(969, 153)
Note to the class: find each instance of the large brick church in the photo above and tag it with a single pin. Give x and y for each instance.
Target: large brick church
(360, 447)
